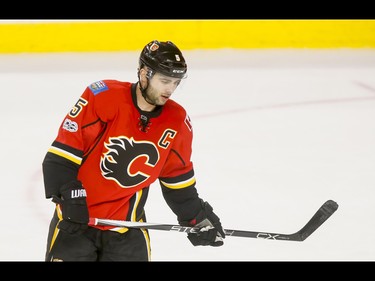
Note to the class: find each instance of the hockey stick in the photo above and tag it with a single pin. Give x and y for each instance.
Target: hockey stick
(323, 213)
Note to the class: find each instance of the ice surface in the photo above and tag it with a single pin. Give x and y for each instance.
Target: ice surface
(276, 134)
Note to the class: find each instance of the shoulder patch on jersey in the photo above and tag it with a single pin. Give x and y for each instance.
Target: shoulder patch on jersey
(98, 87)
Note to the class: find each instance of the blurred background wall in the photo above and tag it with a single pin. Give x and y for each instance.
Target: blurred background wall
(39, 36)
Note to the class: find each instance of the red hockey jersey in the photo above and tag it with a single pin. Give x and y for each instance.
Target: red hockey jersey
(117, 150)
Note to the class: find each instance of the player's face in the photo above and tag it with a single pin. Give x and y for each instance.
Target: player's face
(161, 88)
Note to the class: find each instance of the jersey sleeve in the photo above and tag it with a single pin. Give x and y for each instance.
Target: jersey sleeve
(76, 135)
(177, 179)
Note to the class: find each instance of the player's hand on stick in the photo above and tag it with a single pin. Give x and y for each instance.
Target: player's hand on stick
(73, 206)
(210, 231)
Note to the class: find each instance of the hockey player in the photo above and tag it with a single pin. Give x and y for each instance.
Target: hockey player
(119, 138)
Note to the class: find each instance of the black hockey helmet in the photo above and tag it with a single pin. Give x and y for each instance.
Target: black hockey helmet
(163, 57)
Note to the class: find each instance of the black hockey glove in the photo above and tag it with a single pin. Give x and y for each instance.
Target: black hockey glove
(74, 207)
(210, 231)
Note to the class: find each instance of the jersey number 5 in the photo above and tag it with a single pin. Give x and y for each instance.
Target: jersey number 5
(77, 108)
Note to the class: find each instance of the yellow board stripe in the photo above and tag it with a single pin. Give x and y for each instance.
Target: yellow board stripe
(132, 35)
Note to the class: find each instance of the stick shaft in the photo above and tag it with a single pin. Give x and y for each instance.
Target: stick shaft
(323, 213)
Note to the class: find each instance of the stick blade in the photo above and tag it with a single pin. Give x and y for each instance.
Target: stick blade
(323, 213)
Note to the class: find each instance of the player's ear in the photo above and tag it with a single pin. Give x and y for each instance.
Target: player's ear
(142, 72)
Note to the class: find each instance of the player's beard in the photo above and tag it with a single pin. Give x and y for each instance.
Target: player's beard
(153, 97)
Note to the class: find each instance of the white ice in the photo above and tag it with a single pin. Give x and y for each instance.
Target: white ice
(276, 134)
